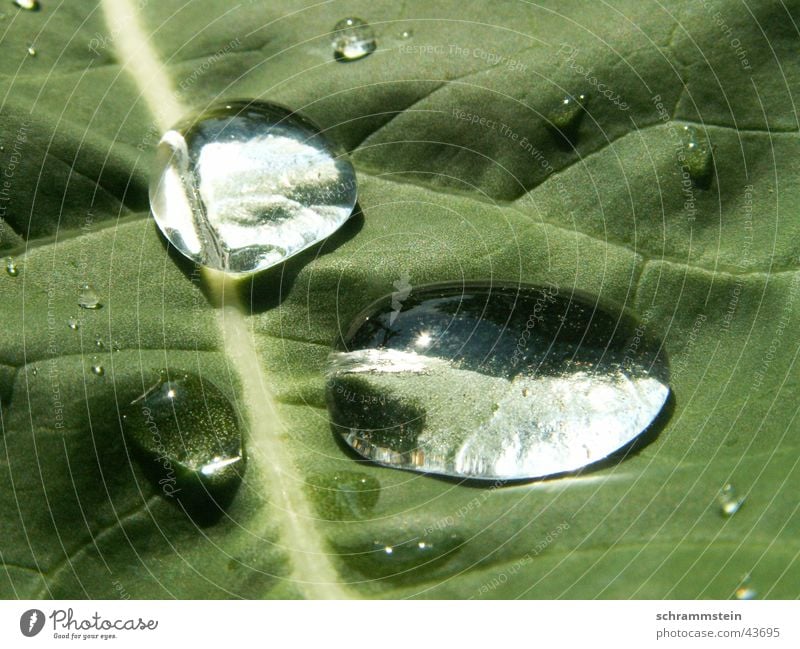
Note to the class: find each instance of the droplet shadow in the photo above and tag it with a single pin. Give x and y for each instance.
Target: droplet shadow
(266, 289)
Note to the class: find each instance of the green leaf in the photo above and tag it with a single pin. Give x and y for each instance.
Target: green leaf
(461, 175)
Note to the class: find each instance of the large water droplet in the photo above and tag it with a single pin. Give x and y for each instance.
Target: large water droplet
(30, 5)
(345, 495)
(697, 157)
(353, 39)
(189, 435)
(88, 298)
(11, 267)
(494, 381)
(406, 560)
(729, 501)
(31, 50)
(245, 185)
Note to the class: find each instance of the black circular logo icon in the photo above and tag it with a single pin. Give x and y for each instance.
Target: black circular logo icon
(31, 622)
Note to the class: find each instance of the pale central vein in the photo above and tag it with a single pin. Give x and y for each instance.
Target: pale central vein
(312, 571)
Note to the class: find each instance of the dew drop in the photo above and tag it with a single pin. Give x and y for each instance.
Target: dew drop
(30, 5)
(566, 117)
(88, 298)
(345, 495)
(74, 324)
(406, 560)
(31, 50)
(35, 371)
(97, 369)
(729, 501)
(511, 381)
(745, 589)
(99, 344)
(406, 34)
(697, 157)
(244, 186)
(188, 435)
(353, 39)
(11, 267)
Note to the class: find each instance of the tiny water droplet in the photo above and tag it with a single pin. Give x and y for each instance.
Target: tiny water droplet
(99, 343)
(11, 267)
(97, 369)
(74, 324)
(513, 381)
(31, 50)
(345, 495)
(408, 560)
(30, 5)
(730, 502)
(697, 157)
(115, 346)
(188, 434)
(406, 34)
(245, 185)
(88, 298)
(745, 589)
(35, 371)
(566, 117)
(353, 39)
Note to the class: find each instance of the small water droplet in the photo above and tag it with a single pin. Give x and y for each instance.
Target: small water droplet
(406, 34)
(30, 5)
(457, 406)
(11, 267)
(115, 346)
(745, 589)
(730, 502)
(246, 185)
(697, 157)
(566, 117)
(188, 434)
(408, 560)
(88, 298)
(99, 344)
(97, 369)
(74, 324)
(345, 495)
(35, 371)
(31, 50)
(353, 39)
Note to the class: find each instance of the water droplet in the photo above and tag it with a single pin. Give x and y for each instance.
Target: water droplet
(188, 434)
(97, 369)
(566, 117)
(244, 186)
(406, 34)
(35, 371)
(31, 50)
(88, 298)
(345, 495)
(407, 560)
(30, 5)
(74, 324)
(99, 344)
(418, 391)
(745, 589)
(115, 346)
(11, 267)
(697, 157)
(353, 39)
(730, 502)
